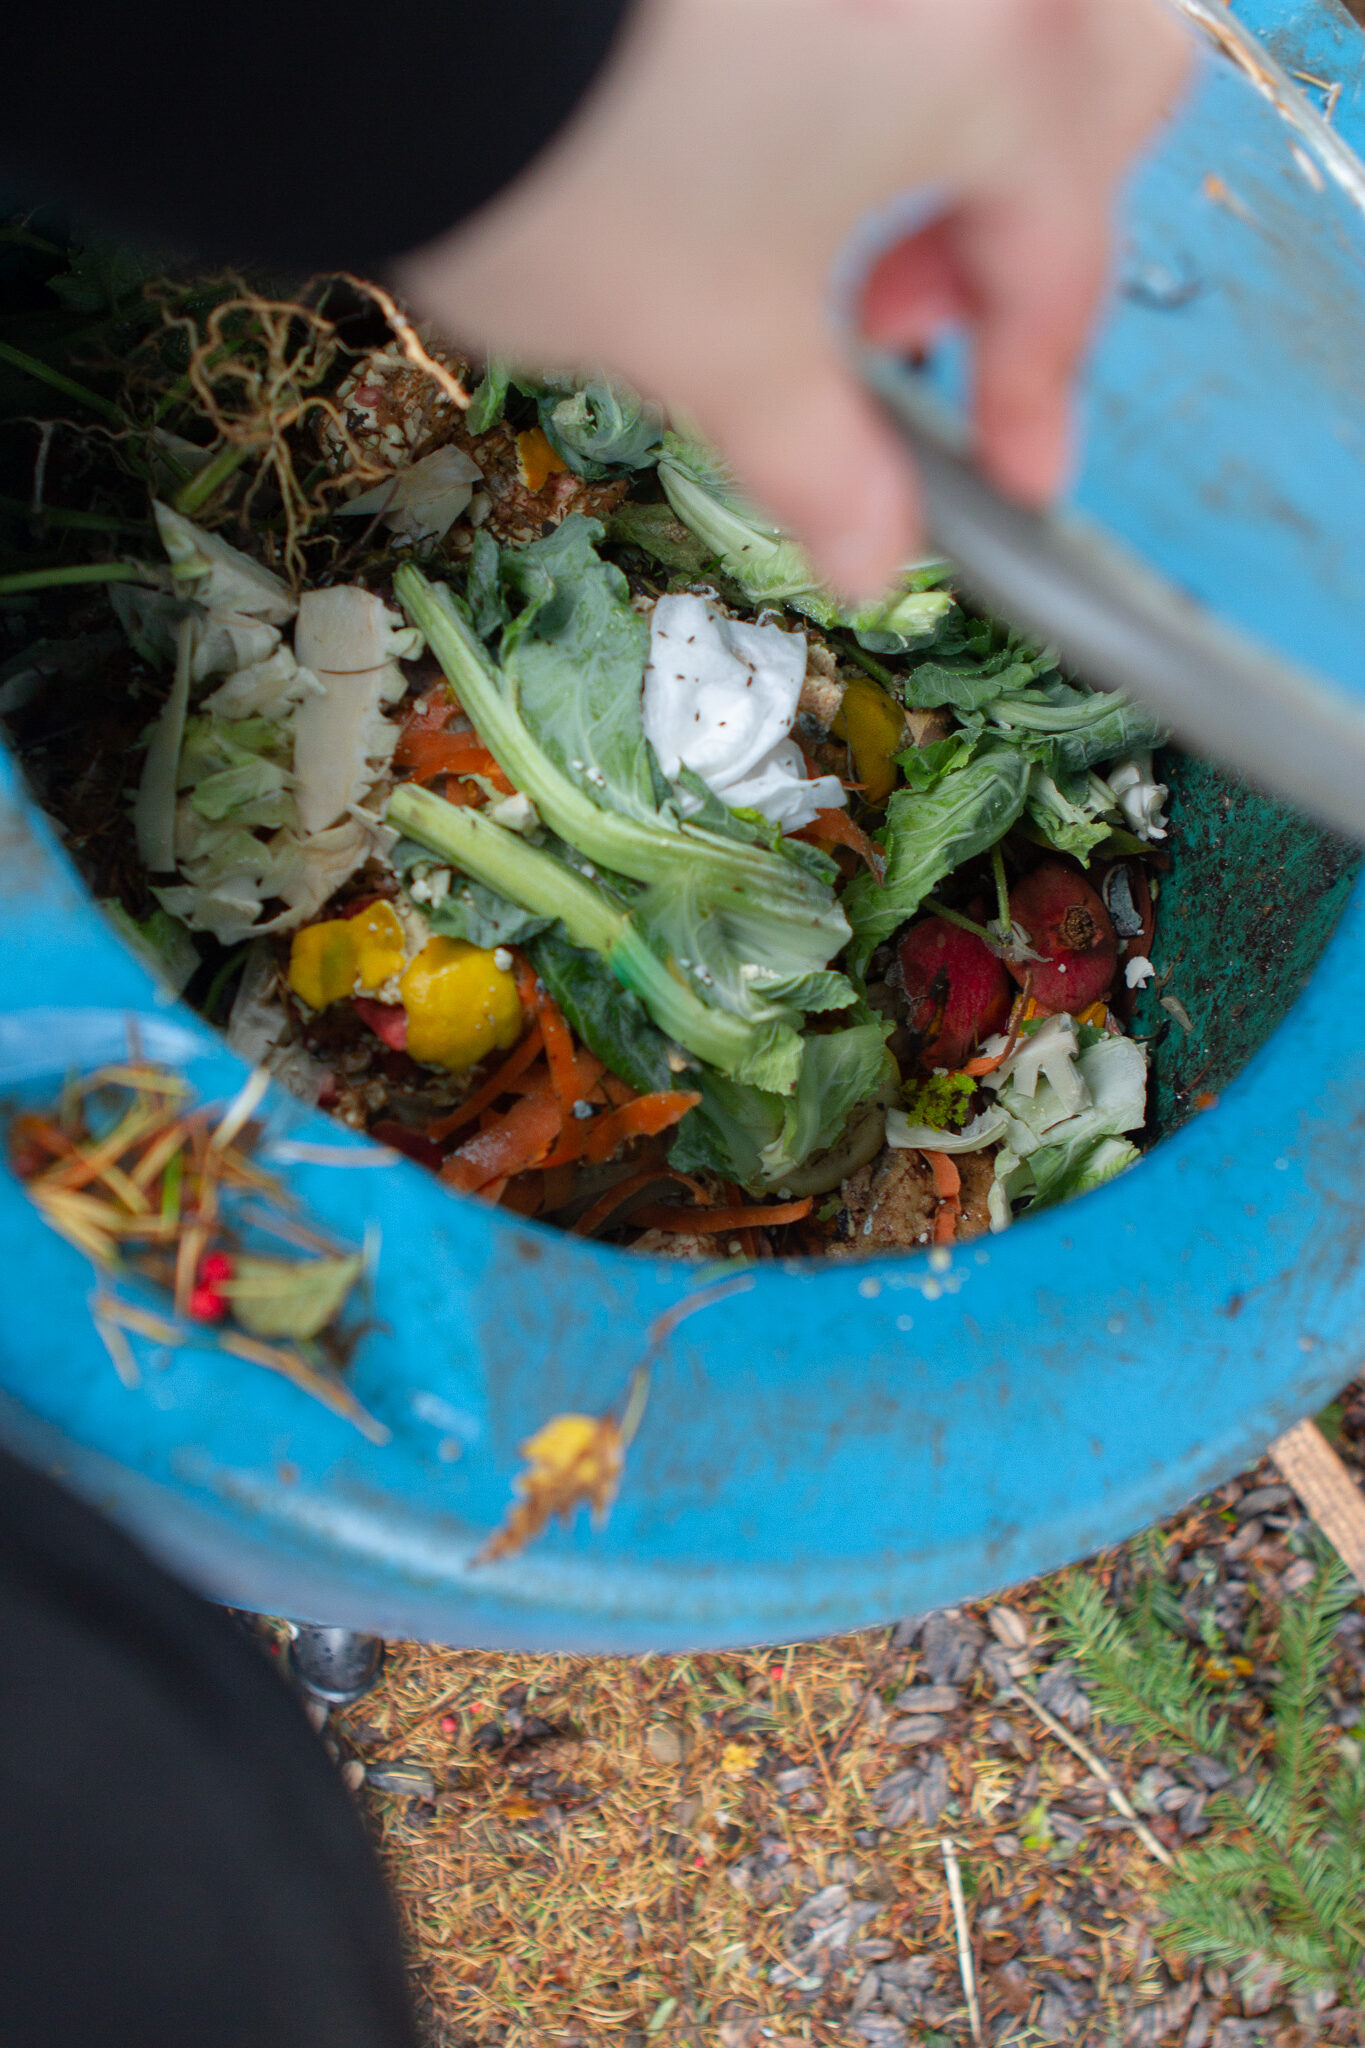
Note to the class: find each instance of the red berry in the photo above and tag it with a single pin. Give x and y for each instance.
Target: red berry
(956, 991)
(449, 1724)
(207, 1305)
(215, 1268)
(1067, 923)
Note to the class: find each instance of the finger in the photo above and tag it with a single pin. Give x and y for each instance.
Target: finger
(1036, 266)
(810, 448)
(915, 290)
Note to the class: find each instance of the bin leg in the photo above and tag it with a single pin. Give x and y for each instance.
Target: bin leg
(333, 1665)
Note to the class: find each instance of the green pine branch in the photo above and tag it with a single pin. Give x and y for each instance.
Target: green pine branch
(1282, 1877)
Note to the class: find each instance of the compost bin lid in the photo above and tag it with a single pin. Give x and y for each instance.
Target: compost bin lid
(1211, 558)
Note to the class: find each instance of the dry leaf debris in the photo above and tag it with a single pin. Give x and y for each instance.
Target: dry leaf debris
(596, 1862)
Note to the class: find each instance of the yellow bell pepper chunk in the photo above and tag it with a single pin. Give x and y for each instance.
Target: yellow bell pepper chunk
(874, 726)
(346, 956)
(537, 461)
(461, 1005)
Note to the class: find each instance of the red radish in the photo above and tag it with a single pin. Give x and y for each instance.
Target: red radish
(956, 991)
(1067, 923)
(388, 1021)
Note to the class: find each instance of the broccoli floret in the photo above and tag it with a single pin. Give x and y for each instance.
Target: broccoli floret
(943, 1102)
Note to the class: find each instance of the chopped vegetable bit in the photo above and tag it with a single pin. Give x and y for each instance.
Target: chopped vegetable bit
(347, 956)
(460, 1005)
(873, 724)
(537, 461)
(943, 1102)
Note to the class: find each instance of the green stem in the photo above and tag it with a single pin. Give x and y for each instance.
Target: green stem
(32, 366)
(965, 924)
(502, 859)
(878, 670)
(545, 886)
(1002, 891)
(646, 850)
(211, 477)
(78, 572)
(58, 515)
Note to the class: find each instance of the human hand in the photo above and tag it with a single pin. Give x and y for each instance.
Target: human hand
(683, 230)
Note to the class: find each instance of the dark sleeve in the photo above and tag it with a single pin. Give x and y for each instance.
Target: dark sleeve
(180, 1866)
(302, 135)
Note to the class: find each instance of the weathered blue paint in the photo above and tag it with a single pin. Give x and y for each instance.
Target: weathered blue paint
(844, 1442)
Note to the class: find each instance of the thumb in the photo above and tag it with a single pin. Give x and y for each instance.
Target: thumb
(1036, 266)
(810, 448)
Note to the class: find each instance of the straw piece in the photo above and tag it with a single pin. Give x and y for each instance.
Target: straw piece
(296, 1152)
(1113, 1791)
(319, 1384)
(965, 1963)
(120, 1351)
(241, 1109)
(131, 1317)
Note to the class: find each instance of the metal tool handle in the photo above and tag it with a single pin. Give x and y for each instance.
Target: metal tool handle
(1121, 626)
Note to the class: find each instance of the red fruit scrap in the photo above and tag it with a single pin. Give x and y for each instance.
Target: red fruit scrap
(1067, 923)
(388, 1021)
(215, 1268)
(956, 991)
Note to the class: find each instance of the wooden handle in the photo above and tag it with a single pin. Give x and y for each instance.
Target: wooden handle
(1326, 1488)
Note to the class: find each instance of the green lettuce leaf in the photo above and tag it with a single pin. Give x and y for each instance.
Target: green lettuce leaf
(973, 664)
(1049, 1155)
(1072, 729)
(600, 429)
(487, 405)
(905, 619)
(928, 834)
(1061, 1172)
(610, 1021)
(766, 564)
(575, 656)
(762, 1139)
(796, 922)
(483, 589)
(656, 531)
(1067, 813)
(761, 1046)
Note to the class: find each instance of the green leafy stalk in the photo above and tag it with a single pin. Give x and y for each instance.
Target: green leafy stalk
(650, 850)
(216, 472)
(930, 832)
(767, 1052)
(33, 366)
(76, 572)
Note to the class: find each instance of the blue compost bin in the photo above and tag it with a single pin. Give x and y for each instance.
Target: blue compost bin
(838, 1443)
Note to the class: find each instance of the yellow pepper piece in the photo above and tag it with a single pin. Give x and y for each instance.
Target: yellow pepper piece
(461, 1005)
(537, 461)
(346, 956)
(380, 944)
(874, 725)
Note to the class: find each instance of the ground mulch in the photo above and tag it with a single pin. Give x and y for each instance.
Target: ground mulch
(745, 1849)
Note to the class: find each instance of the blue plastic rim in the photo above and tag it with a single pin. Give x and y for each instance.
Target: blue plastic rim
(839, 1444)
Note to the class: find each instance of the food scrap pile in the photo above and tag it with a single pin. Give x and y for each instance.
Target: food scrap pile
(547, 821)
